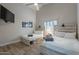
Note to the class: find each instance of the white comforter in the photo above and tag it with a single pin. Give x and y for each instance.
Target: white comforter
(63, 45)
(34, 37)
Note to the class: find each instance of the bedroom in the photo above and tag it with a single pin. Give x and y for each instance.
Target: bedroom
(61, 20)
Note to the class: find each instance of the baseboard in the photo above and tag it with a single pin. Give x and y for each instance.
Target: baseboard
(10, 42)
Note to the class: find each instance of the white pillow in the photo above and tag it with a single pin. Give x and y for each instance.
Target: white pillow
(70, 35)
(38, 32)
(59, 34)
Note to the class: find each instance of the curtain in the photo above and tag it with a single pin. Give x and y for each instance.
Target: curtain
(49, 27)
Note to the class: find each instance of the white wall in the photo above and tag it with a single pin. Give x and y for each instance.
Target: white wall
(11, 31)
(78, 18)
(64, 13)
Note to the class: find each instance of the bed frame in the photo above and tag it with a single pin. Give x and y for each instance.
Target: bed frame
(70, 28)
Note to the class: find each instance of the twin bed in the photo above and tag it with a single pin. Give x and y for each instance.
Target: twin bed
(63, 45)
(64, 41)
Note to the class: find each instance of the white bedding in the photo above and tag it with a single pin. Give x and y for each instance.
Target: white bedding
(34, 37)
(63, 45)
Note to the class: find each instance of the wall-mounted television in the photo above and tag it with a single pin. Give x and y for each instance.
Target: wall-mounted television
(6, 15)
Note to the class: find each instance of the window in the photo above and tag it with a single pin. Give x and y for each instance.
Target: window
(55, 22)
(49, 26)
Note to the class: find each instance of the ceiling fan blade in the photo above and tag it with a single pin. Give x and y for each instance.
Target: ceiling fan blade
(33, 5)
(29, 4)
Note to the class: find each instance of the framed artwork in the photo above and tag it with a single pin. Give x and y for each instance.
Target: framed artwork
(27, 24)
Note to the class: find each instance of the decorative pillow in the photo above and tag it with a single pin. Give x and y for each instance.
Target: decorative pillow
(49, 39)
(70, 35)
(59, 34)
(30, 35)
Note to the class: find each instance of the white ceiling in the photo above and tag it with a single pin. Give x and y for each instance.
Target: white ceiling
(31, 5)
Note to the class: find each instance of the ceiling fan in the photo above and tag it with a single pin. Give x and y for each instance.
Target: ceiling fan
(36, 5)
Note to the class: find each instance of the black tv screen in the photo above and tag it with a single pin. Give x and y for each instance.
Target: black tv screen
(6, 15)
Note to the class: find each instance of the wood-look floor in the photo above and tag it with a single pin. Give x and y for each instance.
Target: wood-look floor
(20, 48)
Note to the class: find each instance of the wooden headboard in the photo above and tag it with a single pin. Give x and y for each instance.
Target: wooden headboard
(67, 28)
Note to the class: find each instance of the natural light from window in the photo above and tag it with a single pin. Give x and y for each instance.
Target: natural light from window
(49, 26)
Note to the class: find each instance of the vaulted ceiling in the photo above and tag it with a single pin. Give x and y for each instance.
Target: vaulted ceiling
(31, 5)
